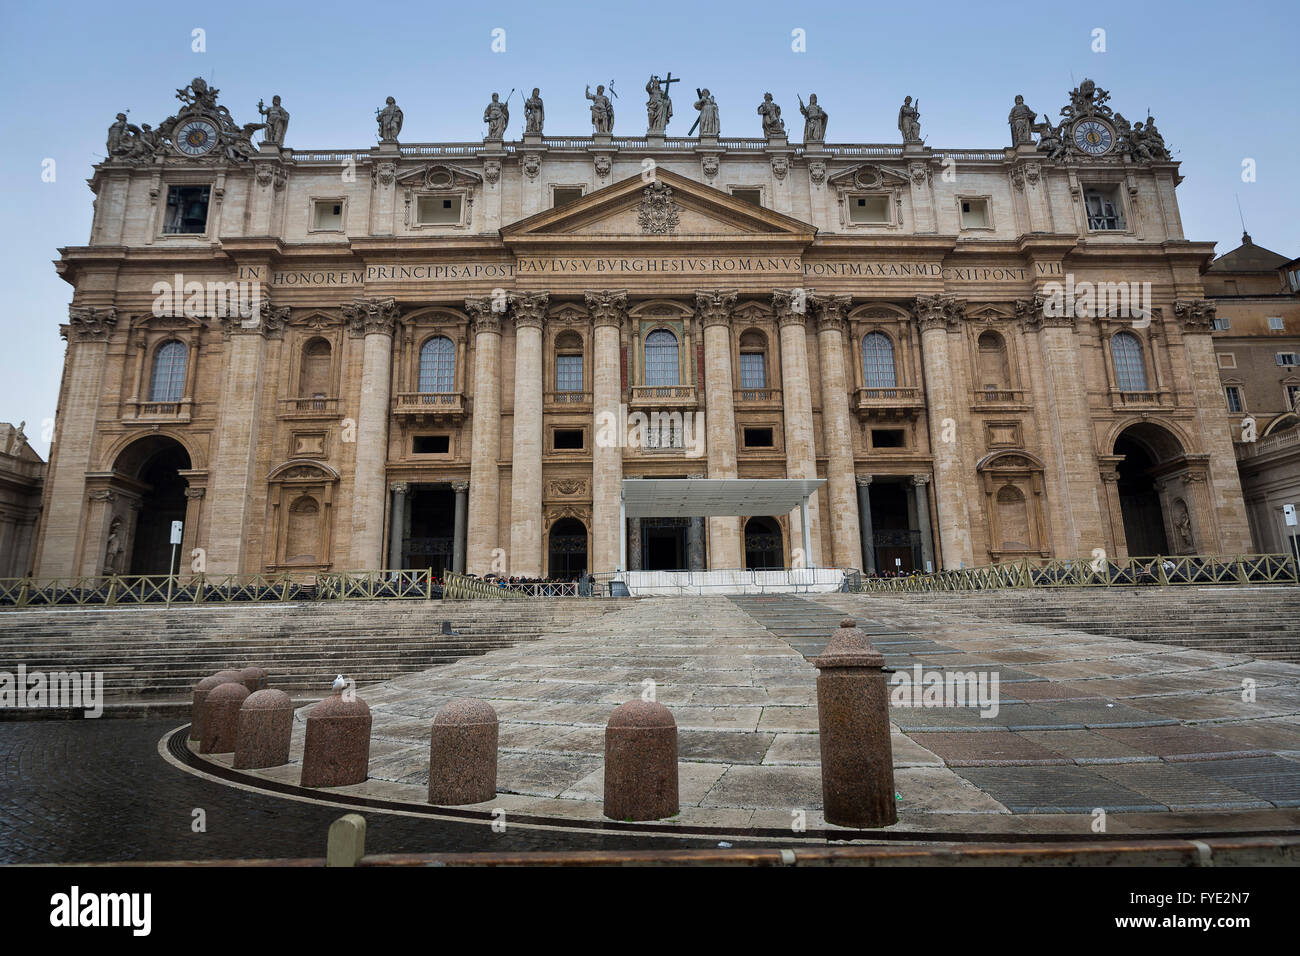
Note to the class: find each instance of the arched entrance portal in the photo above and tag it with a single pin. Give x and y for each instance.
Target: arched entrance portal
(763, 545)
(153, 465)
(1147, 450)
(567, 550)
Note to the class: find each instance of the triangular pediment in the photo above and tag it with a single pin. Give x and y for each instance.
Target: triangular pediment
(670, 208)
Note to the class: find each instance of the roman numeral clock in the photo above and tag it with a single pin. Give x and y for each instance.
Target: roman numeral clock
(1093, 136)
(195, 137)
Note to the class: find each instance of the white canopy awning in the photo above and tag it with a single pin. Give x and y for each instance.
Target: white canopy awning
(715, 497)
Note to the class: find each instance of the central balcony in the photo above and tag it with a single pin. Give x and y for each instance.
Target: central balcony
(318, 407)
(567, 401)
(429, 406)
(888, 404)
(758, 398)
(1000, 399)
(662, 396)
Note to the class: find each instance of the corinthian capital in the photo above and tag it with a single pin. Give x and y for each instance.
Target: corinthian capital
(791, 305)
(1029, 312)
(607, 308)
(529, 308)
(943, 311)
(268, 321)
(1195, 315)
(371, 316)
(90, 323)
(485, 312)
(714, 308)
(831, 310)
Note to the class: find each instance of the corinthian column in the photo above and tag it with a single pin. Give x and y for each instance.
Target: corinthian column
(608, 310)
(373, 321)
(837, 434)
(529, 311)
(726, 547)
(936, 313)
(484, 473)
(87, 331)
(800, 449)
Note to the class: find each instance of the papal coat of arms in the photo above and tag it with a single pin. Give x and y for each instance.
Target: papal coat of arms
(658, 214)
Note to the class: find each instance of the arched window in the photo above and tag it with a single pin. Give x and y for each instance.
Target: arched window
(314, 376)
(753, 360)
(438, 365)
(168, 382)
(993, 367)
(878, 361)
(661, 359)
(1130, 370)
(568, 362)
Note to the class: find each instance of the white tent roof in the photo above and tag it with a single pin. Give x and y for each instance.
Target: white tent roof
(714, 497)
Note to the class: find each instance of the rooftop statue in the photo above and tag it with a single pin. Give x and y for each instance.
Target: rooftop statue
(277, 121)
(497, 116)
(1021, 119)
(534, 113)
(659, 107)
(814, 123)
(773, 125)
(389, 119)
(708, 107)
(602, 110)
(909, 121)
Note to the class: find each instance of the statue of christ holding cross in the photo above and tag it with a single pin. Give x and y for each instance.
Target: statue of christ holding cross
(659, 108)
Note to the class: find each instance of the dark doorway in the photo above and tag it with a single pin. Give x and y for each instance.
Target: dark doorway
(432, 530)
(763, 550)
(567, 550)
(893, 536)
(1139, 502)
(162, 503)
(663, 544)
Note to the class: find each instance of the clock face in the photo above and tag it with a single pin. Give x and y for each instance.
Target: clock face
(1093, 137)
(196, 137)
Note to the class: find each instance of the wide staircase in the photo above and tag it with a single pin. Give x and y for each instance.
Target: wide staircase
(804, 625)
(1260, 621)
(158, 653)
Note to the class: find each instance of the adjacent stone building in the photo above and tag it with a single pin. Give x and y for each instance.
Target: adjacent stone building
(1257, 348)
(449, 355)
(22, 473)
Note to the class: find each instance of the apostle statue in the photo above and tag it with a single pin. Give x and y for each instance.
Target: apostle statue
(1021, 119)
(909, 121)
(773, 125)
(602, 110)
(708, 108)
(659, 107)
(1155, 142)
(390, 121)
(497, 116)
(118, 138)
(534, 113)
(277, 121)
(814, 122)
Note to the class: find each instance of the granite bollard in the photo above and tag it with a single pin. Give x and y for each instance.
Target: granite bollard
(254, 678)
(640, 762)
(201, 691)
(263, 731)
(221, 718)
(336, 751)
(463, 753)
(853, 722)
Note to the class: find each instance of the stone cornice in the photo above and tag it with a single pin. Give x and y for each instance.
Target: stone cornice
(373, 316)
(608, 309)
(714, 308)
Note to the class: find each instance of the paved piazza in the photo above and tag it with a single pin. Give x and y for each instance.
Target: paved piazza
(1158, 736)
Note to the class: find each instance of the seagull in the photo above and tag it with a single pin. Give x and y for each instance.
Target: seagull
(340, 683)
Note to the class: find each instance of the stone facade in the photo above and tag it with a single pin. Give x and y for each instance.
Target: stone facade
(441, 348)
(22, 474)
(1256, 293)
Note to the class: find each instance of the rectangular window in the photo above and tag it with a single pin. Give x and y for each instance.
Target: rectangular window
(758, 438)
(974, 214)
(187, 210)
(431, 444)
(1233, 394)
(567, 439)
(1227, 359)
(869, 209)
(754, 196)
(1105, 209)
(327, 215)
(1287, 359)
(753, 370)
(1222, 323)
(568, 373)
(438, 210)
(1275, 323)
(1292, 396)
(887, 438)
(563, 195)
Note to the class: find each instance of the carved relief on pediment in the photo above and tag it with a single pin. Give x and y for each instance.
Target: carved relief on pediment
(868, 176)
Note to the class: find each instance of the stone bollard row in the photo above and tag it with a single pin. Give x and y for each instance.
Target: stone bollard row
(853, 728)
(254, 678)
(463, 753)
(264, 730)
(336, 751)
(221, 718)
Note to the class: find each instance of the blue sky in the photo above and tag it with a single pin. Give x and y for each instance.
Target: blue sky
(1222, 81)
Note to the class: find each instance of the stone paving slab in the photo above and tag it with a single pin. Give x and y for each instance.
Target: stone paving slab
(1057, 790)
